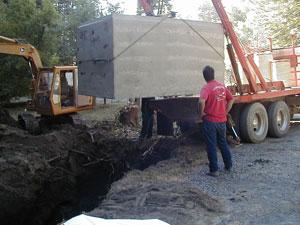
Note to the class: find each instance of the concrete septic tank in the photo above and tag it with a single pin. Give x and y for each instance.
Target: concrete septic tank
(123, 56)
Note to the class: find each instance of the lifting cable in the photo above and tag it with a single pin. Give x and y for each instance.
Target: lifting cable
(156, 25)
(206, 41)
(139, 38)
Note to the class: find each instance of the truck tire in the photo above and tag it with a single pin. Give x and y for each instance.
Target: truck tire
(279, 119)
(254, 123)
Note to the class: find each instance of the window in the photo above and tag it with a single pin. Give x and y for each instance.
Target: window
(45, 81)
(56, 92)
(69, 77)
(67, 88)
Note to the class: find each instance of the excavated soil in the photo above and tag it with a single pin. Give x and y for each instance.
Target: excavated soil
(161, 191)
(261, 189)
(69, 169)
(5, 118)
(105, 171)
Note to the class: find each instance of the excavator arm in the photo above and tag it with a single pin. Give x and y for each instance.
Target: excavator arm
(10, 46)
(14, 47)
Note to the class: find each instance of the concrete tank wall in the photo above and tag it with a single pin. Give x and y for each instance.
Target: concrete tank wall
(133, 56)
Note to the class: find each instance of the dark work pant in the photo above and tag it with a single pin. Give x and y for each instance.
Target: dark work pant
(147, 124)
(215, 135)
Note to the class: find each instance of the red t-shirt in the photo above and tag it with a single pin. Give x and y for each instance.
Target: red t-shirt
(216, 96)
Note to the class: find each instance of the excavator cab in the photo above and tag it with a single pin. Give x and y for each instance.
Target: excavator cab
(57, 92)
(54, 91)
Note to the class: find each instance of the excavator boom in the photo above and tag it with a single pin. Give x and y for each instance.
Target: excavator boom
(249, 67)
(30, 53)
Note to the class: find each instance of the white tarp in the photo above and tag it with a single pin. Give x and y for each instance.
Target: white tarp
(89, 220)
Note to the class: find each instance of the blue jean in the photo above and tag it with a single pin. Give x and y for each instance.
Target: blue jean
(147, 124)
(215, 134)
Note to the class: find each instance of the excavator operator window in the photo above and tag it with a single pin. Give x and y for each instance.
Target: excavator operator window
(45, 81)
(67, 88)
(44, 89)
(56, 91)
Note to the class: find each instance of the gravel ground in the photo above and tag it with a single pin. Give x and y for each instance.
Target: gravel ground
(264, 185)
(262, 189)
(103, 112)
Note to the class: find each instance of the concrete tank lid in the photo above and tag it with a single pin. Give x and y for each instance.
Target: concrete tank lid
(153, 18)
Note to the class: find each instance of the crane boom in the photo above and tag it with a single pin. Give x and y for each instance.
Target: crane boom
(249, 67)
(30, 53)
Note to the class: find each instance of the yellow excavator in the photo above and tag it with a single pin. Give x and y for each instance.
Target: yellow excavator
(54, 91)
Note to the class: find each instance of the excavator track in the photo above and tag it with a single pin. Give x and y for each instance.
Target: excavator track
(29, 122)
(35, 125)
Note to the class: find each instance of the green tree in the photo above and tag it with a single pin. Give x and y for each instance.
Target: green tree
(208, 13)
(163, 7)
(73, 13)
(279, 18)
(239, 19)
(237, 16)
(112, 9)
(35, 24)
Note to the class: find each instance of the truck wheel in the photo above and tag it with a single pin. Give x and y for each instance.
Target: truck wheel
(254, 123)
(279, 119)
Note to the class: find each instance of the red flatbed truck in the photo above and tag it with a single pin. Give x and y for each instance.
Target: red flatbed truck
(260, 108)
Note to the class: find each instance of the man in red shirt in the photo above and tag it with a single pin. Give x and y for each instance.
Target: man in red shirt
(216, 102)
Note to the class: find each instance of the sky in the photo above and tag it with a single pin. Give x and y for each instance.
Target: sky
(187, 9)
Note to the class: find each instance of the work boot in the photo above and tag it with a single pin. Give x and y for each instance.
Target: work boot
(228, 169)
(213, 174)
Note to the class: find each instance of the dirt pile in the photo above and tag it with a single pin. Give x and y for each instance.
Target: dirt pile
(172, 202)
(5, 118)
(56, 175)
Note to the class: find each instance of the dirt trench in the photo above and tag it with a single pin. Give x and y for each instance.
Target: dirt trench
(67, 170)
